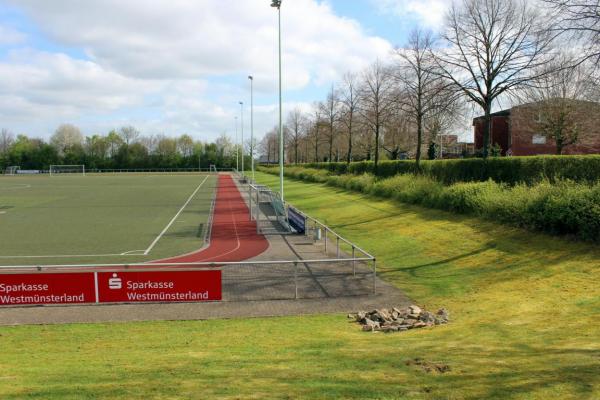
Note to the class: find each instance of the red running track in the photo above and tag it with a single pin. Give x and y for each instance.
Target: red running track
(233, 236)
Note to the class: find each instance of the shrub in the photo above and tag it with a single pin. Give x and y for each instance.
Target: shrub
(509, 170)
(563, 207)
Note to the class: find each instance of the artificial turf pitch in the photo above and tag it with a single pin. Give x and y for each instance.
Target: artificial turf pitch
(74, 219)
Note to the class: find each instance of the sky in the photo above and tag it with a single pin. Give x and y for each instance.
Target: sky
(181, 66)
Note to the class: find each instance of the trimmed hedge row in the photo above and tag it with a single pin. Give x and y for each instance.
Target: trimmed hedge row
(560, 208)
(510, 170)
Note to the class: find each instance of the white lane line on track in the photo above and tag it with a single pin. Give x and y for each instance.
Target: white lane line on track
(149, 249)
(237, 237)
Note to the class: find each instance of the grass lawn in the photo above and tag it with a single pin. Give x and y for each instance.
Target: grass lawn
(524, 310)
(96, 218)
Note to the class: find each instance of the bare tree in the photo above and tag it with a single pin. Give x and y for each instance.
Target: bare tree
(493, 47)
(294, 125)
(350, 102)
(6, 140)
(556, 97)
(65, 137)
(398, 134)
(185, 145)
(579, 19)
(269, 145)
(129, 134)
(425, 91)
(330, 111)
(377, 99)
(317, 120)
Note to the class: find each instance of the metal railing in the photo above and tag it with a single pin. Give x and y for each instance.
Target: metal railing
(319, 230)
(246, 280)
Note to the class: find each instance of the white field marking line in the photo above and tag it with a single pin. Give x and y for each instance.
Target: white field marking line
(127, 254)
(149, 249)
(65, 256)
(16, 186)
(237, 237)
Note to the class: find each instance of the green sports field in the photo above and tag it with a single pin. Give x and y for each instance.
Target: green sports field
(122, 218)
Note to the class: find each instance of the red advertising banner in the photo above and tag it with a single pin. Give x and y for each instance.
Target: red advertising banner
(160, 286)
(27, 289)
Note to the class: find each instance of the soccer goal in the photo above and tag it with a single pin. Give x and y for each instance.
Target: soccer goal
(213, 169)
(12, 170)
(67, 169)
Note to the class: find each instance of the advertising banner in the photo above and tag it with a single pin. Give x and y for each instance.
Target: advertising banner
(160, 286)
(110, 287)
(28, 289)
(297, 220)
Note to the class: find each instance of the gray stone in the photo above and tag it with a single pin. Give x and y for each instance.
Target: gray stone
(427, 317)
(384, 315)
(367, 328)
(443, 314)
(415, 309)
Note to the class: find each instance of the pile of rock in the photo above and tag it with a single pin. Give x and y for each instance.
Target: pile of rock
(397, 320)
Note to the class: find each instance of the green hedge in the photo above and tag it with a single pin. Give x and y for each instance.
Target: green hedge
(560, 208)
(510, 170)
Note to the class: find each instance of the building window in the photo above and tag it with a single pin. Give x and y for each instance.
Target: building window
(538, 139)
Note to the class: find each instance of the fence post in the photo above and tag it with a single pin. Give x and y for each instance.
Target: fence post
(296, 278)
(353, 261)
(257, 216)
(374, 276)
(337, 246)
(250, 200)
(325, 240)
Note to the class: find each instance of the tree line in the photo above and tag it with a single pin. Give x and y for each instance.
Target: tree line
(488, 51)
(124, 148)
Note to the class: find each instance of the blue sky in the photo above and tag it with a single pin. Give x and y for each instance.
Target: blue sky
(181, 66)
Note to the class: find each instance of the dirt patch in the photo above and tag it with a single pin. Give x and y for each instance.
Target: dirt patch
(429, 367)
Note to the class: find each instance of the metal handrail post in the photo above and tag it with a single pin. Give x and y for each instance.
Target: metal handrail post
(353, 261)
(374, 276)
(250, 200)
(296, 279)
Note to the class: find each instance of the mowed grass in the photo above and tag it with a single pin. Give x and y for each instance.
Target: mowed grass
(94, 219)
(524, 310)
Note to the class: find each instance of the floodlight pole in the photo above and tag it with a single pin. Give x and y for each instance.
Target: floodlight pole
(242, 143)
(252, 124)
(237, 165)
(277, 4)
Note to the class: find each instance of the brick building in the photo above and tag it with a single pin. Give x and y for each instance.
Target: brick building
(450, 147)
(517, 131)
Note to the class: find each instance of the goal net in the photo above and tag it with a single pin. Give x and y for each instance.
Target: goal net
(213, 169)
(12, 170)
(67, 169)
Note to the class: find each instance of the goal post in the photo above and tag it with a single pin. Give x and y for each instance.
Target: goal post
(67, 169)
(213, 169)
(12, 170)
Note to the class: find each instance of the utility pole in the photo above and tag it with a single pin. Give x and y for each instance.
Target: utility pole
(252, 124)
(277, 4)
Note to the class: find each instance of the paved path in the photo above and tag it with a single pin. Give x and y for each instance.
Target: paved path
(249, 290)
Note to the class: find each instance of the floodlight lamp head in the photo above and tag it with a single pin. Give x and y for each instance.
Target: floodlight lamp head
(250, 77)
(276, 3)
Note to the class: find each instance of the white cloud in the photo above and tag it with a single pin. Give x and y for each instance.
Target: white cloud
(52, 84)
(166, 66)
(11, 36)
(430, 12)
(188, 39)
